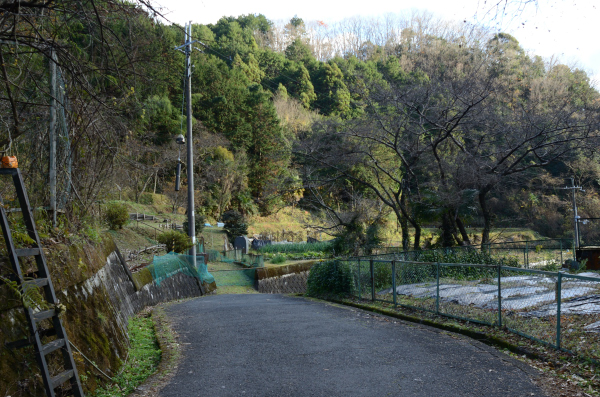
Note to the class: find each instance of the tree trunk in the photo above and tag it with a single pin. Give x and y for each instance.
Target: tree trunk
(448, 232)
(463, 232)
(405, 234)
(417, 244)
(138, 196)
(404, 226)
(487, 217)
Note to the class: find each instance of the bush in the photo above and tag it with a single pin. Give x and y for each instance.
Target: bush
(175, 241)
(465, 256)
(235, 225)
(278, 258)
(199, 220)
(146, 198)
(116, 215)
(330, 278)
(296, 248)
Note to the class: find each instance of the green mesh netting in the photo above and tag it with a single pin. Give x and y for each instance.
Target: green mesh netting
(166, 266)
(251, 260)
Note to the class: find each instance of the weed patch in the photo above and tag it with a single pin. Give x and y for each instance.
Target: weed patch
(144, 356)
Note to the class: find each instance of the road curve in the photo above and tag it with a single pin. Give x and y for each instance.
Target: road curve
(275, 345)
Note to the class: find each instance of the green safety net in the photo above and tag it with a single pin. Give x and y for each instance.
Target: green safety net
(168, 265)
(250, 260)
(233, 277)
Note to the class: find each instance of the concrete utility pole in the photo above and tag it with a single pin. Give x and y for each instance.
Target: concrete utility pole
(575, 215)
(190, 146)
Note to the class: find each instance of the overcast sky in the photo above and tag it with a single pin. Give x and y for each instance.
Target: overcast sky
(565, 28)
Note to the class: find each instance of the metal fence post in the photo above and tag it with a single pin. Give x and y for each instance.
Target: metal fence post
(372, 280)
(561, 254)
(359, 295)
(558, 299)
(437, 294)
(499, 297)
(394, 283)
(527, 254)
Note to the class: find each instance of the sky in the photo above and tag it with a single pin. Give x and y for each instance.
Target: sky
(567, 29)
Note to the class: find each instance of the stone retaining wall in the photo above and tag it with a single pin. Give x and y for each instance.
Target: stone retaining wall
(294, 283)
(100, 295)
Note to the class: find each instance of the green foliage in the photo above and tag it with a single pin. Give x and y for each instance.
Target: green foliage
(199, 221)
(144, 356)
(297, 256)
(296, 248)
(175, 241)
(235, 225)
(330, 278)
(470, 256)
(31, 296)
(552, 266)
(357, 236)
(278, 258)
(146, 199)
(116, 215)
(90, 229)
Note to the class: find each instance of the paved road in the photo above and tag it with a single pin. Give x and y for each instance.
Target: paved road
(273, 345)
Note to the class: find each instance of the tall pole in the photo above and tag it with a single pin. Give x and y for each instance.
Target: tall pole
(190, 147)
(52, 137)
(575, 216)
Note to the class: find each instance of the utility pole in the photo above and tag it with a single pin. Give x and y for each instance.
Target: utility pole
(575, 215)
(187, 50)
(190, 146)
(52, 136)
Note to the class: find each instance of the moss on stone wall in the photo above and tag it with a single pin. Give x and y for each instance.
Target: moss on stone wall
(100, 297)
(88, 320)
(278, 271)
(142, 277)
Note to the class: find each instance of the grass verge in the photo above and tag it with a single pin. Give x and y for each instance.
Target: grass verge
(144, 357)
(171, 354)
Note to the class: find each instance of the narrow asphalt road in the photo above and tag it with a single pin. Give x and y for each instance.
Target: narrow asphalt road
(274, 345)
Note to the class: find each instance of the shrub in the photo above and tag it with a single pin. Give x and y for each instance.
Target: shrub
(116, 215)
(146, 198)
(465, 256)
(235, 225)
(199, 220)
(330, 278)
(175, 241)
(296, 248)
(279, 258)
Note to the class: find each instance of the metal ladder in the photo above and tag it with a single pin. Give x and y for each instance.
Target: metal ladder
(40, 279)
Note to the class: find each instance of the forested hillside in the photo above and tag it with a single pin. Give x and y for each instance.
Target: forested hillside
(412, 119)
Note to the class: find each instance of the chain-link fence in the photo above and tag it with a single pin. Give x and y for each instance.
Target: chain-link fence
(589, 232)
(556, 308)
(165, 266)
(533, 254)
(236, 255)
